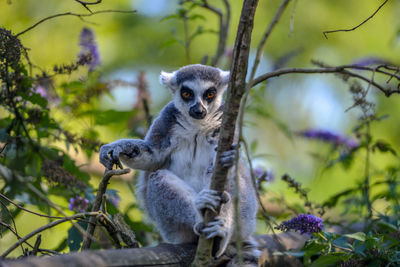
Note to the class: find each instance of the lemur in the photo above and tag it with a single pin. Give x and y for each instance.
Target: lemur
(178, 155)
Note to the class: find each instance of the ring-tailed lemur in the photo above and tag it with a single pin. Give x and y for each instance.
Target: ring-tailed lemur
(178, 155)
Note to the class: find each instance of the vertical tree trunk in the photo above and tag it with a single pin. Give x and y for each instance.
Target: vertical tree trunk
(236, 89)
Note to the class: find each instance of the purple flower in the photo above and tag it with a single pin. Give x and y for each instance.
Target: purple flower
(367, 61)
(304, 223)
(78, 203)
(89, 54)
(40, 90)
(330, 137)
(263, 175)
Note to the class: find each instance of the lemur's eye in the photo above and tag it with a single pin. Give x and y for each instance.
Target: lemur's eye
(186, 93)
(210, 93)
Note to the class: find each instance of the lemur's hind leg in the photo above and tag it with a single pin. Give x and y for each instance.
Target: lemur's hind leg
(170, 204)
(175, 207)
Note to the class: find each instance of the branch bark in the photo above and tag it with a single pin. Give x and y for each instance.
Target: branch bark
(164, 255)
(338, 70)
(236, 89)
(97, 203)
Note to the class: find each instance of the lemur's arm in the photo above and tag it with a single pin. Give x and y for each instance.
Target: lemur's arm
(149, 154)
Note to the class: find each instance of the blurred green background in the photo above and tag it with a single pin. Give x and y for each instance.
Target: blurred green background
(144, 41)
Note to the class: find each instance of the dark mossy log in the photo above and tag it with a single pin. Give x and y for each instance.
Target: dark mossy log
(163, 255)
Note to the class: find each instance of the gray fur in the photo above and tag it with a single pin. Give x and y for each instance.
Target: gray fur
(201, 72)
(178, 155)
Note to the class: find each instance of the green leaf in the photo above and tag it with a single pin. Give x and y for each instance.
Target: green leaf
(327, 260)
(62, 245)
(75, 238)
(168, 42)
(197, 16)
(106, 117)
(358, 236)
(173, 16)
(388, 226)
(4, 135)
(342, 242)
(35, 98)
(383, 147)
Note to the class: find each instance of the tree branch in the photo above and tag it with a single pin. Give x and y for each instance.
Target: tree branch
(47, 226)
(10, 175)
(267, 33)
(164, 255)
(97, 203)
(338, 70)
(73, 14)
(223, 29)
(359, 25)
(236, 88)
(85, 4)
(24, 209)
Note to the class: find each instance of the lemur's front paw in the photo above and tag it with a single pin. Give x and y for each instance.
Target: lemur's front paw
(109, 154)
(208, 199)
(130, 150)
(227, 158)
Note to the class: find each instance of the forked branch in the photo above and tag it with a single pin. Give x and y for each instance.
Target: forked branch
(339, 70)
(97, 203)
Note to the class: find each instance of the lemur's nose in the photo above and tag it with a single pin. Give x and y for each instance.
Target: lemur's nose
(197, 111)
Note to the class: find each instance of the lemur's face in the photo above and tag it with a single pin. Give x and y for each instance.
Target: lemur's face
(197, 89)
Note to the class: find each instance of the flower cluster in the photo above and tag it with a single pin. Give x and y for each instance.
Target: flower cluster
(78, 203)
(89, 53)
(330, 137)
(305, 223)
(262, 175)
(57, 175)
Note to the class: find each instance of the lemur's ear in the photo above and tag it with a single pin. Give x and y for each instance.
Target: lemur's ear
(168, 79)
(224, 77)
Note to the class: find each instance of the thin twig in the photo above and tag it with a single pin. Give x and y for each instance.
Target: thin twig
(97, 203)
(73, 14)
(243, 104)
(338, 70)
(223, 28)
(377, 70)
(4, 146)
(267, 33)
(253, 179)
(85, 4)
(11, 217)
(292, 17)
(22, 208)
(8, 175)
(47, 226)
(352, 29)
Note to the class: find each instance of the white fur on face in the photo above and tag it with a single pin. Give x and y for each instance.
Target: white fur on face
(199, 87)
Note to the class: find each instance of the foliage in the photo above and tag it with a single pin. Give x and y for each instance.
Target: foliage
(35, 143)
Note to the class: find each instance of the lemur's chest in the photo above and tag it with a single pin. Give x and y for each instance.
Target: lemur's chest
(193, 158)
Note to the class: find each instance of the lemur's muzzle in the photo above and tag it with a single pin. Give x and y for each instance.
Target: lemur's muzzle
(197, 111)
